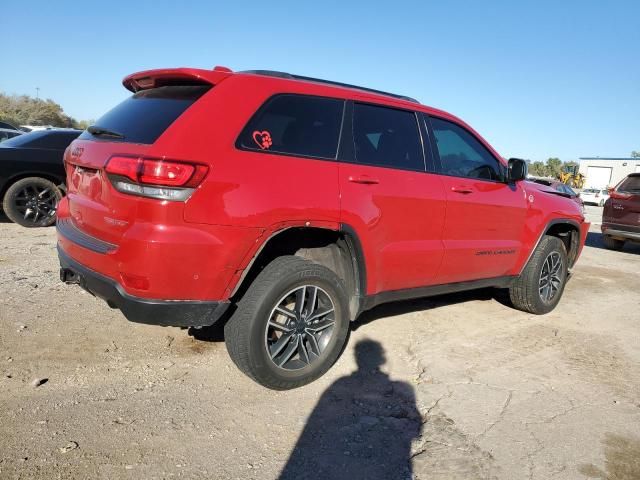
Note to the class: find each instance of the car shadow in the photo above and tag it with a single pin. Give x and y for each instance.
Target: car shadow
(428, 303)
(362, 426)
(4, 218)
(594, 240)
(215, 332)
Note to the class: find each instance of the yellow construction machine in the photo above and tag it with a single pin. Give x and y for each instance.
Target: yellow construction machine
(570, 176)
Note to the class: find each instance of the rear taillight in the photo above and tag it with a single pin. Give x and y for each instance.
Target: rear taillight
(620, 196)
(155, 178)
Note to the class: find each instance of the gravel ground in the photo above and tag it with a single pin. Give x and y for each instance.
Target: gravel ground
(454, 387)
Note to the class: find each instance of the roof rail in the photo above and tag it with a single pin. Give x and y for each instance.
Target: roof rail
(273, 73)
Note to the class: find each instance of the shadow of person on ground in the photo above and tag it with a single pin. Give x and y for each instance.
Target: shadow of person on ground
(362, 427)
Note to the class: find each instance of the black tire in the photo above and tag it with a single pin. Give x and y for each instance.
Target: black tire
(528, 292)
(247, 333)
(612, 243)
(41, 193)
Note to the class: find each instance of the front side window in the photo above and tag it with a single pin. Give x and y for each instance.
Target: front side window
(387, 137)
(462, 155)
(295, 125)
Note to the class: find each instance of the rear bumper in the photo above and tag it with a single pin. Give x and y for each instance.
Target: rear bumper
(621, 231)
(175, 313)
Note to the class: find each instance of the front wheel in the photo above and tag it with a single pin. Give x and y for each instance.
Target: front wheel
(32, 202)
(539, 287)
(290, 326)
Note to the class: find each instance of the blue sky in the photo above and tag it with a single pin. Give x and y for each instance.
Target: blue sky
(536, 79)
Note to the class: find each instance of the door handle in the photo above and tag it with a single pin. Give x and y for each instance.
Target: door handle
(463, 190)
(364, 179)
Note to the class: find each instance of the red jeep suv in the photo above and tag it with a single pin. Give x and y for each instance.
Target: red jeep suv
(288, 205)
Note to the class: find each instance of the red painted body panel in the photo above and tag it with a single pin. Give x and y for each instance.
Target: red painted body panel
(483, 231)
(399, 222)
(414, 229)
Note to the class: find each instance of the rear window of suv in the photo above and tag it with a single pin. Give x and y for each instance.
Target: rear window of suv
(630, 185)
(143, 117)
(295, 125)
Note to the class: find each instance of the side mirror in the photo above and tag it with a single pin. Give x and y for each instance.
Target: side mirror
(517, 170)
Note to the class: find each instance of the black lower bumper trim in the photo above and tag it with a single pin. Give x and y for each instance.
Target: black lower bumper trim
(627, 232)
(167, 313)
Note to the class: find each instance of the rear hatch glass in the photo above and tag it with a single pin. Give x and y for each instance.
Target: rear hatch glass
(630, 185)
(143, 117)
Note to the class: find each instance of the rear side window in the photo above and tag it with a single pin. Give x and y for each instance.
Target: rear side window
(461, 154)
(630, 185)
(143, 117)
(295, 125)
(387, 137)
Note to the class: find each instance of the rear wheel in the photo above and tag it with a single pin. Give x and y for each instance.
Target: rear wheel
(290, 326)
(612, 243)
(32, 202)
(540, 286)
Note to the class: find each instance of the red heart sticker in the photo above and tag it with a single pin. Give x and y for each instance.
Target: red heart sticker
(262, 139)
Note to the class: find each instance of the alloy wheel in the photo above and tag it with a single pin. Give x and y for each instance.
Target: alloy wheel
(36, 203)
(300, 327)
(550, 277)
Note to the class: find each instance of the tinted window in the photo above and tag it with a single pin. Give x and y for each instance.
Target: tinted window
(43, 139)
(462, 155)
(387, 137)
(296, 125)
(630, 185)
(143, 117)
(6, 135)
(7, 125)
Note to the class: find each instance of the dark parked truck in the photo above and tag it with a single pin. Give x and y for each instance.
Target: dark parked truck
(288, 205)
(621, 214)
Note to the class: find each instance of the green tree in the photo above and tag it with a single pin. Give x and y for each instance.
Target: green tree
(26, 110)
(538, 169)
(554, 167)
(635, 154)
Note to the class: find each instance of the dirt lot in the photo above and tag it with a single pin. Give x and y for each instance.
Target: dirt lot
(468, 388)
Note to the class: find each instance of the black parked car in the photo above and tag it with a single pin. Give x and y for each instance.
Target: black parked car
(32, 175)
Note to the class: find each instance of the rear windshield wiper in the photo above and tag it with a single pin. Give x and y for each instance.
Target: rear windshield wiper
(103, 132)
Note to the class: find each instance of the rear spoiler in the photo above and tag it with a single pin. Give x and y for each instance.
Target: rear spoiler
(174, 76)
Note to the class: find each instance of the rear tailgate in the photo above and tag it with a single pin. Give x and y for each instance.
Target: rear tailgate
(623, 207)
(128, 130)
(94, 205)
